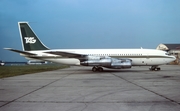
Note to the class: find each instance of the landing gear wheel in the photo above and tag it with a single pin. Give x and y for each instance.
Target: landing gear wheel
(100, 69)
(158, 69)
(94, 69)
(154, 68)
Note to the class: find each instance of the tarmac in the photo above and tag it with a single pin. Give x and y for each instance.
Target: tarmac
(80, 89)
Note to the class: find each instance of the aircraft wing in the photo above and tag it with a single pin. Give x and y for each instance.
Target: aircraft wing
(19, 51)
(65, 54)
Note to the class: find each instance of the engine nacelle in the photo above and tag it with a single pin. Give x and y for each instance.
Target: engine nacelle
(108, 62)
(121, 63)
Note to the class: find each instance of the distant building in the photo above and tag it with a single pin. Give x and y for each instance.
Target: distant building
(172, 49)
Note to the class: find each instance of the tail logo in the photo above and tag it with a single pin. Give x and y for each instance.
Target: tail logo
(30, 40)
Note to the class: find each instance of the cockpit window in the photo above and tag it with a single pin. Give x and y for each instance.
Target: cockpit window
(167, 53)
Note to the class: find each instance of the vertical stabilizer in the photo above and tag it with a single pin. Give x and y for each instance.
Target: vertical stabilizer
(30, 41)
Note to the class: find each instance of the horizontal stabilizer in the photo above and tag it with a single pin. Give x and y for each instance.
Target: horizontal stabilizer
(19, 51)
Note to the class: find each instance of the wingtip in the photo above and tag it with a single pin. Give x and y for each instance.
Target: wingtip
(7, 48)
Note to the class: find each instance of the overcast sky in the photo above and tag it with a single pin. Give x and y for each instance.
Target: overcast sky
(88, 24)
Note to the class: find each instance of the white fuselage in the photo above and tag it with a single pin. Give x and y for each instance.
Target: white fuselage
(139, 57)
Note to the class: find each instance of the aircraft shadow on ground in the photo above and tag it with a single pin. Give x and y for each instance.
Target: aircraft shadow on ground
(110, 71)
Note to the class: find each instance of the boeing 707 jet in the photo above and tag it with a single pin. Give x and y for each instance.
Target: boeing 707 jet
(33, 48)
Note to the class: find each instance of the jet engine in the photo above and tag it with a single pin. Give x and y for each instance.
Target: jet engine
(108, 62)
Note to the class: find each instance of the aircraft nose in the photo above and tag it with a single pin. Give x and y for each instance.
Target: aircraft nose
(174, 58)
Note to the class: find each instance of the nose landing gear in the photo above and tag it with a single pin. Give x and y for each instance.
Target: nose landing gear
(154, 68)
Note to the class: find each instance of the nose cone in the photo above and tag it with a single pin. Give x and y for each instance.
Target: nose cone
(170, 59)
(173, 58)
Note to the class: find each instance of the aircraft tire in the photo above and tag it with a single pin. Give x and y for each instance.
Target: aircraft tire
(94, 69)
(158, 69)
(100, 69)
(154, 68)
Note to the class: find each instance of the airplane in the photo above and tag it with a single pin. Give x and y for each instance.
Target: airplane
(98, 59)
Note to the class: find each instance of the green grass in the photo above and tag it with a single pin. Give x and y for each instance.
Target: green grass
(9, 71)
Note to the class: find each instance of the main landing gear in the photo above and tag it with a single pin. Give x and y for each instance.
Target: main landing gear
(154, 68)
(97, 68)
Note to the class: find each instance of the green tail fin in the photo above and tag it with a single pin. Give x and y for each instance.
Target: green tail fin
(30, 41)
